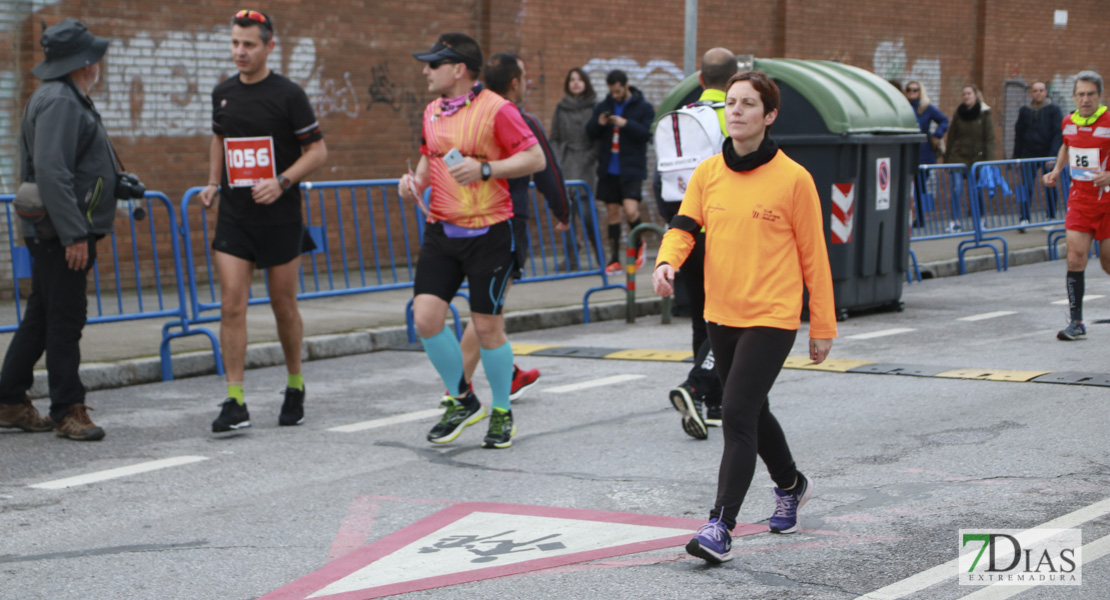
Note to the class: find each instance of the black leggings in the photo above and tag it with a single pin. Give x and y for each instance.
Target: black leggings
(748, 361)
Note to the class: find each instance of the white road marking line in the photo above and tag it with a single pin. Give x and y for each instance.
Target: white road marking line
(948, 570)
(395, 419)
(135, 469)
(1086, 297)
(990, 315)
(574, 387)
(1090, 552)
(878, 334)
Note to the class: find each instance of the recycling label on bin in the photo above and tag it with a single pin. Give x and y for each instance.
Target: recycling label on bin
(882, 183)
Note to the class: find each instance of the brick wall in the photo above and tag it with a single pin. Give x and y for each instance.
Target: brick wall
(352, 57)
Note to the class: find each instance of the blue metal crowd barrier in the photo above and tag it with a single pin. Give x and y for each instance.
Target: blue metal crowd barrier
(367, 239)
(134, 277)
(1012, 196)
(943, 210)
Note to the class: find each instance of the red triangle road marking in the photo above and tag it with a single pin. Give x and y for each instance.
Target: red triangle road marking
(477, 540)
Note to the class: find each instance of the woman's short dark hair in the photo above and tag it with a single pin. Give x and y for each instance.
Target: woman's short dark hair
(586, 93)
(767, 89)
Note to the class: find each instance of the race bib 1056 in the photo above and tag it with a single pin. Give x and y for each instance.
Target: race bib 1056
(249, 160)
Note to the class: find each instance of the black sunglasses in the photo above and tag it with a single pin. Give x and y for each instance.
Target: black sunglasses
(435, 64)
(913, 89)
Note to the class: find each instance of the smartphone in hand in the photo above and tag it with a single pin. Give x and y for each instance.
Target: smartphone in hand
(453, 157)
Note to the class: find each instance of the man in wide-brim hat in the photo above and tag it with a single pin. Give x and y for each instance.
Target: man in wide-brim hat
(66, 159)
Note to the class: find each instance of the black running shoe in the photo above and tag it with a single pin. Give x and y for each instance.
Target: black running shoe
(689, 404)
(292, 410)
(501, 430)
(460, 413)
(713, 414)
(232, 416)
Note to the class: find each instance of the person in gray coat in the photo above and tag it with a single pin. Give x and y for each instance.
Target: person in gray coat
(575, 151)
(65, 151)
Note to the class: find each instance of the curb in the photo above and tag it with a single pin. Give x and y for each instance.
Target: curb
(975, 264)
(109, 375)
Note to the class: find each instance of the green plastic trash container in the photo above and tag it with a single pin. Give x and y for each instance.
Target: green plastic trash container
(858, 136)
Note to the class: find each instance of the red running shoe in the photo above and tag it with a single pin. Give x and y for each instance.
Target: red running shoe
(522, 380)
(614, 268)
(640, 255)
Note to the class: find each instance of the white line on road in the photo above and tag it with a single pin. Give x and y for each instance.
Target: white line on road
(584, 385)
(990, 315)
(1090, 553)
(135, 469)
(878, 334)
(941, 573)
(1086, 297)
(395, 419)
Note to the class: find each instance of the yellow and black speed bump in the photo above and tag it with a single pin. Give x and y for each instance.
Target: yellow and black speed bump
(832, 365)
(576, 352)
(899, 369)
(1075, 378)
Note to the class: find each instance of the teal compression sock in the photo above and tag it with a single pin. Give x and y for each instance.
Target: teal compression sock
(498, 364)
(446, 355)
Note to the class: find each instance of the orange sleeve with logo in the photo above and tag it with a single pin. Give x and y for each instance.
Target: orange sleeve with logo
(764, 240)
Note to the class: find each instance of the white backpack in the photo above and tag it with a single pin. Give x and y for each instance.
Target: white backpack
(684, 138)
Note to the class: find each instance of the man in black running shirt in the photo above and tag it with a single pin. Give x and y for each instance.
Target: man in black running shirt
(266, 140)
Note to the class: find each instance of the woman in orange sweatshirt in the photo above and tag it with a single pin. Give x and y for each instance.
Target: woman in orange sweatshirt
(764, 240)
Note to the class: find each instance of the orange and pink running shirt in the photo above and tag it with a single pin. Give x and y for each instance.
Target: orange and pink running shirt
(489, 128)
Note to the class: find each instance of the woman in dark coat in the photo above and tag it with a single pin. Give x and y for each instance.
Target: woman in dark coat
(934, 125)
(576, 152)
(970, 140)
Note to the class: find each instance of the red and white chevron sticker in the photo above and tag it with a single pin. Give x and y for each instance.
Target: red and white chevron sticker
(843, 207)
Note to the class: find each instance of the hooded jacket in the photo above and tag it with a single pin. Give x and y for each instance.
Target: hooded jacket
(1037, 132)
(970, 135)
(64, 148)
(634, 136)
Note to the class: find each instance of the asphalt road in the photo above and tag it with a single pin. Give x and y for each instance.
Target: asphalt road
(900, 464)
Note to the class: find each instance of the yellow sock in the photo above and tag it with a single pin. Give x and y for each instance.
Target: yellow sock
(236, 391)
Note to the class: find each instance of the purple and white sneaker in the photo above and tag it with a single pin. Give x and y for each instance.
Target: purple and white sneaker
(713, 543)
(787, 505)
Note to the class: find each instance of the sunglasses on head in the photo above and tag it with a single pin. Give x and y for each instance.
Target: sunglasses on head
(253, 15)
(435, 64)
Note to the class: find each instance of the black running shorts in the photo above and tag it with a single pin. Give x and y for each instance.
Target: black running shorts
(614, 189)
(486, 262)
(266, 246)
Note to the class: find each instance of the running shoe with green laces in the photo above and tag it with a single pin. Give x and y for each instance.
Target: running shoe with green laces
(501, 430)
(459, 414)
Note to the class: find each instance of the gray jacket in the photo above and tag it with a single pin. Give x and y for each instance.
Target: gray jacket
(65, 150)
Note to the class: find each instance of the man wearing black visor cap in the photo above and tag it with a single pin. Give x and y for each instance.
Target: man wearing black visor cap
(472, 140)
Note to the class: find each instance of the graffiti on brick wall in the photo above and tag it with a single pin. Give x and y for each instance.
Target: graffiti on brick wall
(891, 62)
(383, 90)
(654, 79)
(163, 87)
